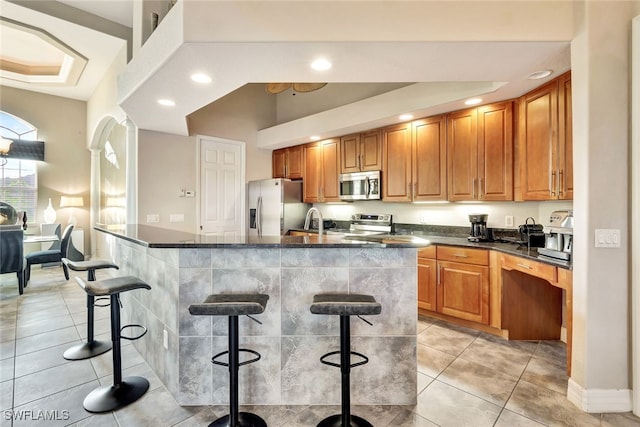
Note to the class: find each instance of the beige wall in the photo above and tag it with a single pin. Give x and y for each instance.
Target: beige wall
(62, 124)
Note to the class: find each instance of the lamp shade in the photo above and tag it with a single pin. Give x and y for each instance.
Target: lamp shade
(5, 146)
(71, 202)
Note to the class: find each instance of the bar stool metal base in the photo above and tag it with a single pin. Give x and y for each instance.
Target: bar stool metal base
(87, 350)
(111, 397)
(336, 421)
(245, 419)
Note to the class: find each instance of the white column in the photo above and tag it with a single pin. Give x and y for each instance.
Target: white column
(94, 202)
(132, 172)
(635, 210)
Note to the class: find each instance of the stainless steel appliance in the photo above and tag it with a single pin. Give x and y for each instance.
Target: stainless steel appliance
(479, 231)
(363, 224)
(275, 207)
(360, 186)
(558, 237)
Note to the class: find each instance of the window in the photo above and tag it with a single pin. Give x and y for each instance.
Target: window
(19, 178)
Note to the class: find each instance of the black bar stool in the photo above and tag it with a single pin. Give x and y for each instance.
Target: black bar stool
(345, 305)
(124, 390)
(232, 306)
(92, 347)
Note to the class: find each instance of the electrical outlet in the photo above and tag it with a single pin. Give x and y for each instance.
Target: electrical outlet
(508, 221)
(424, 219)
(176, 218)
(165, 339)
(153, 218)
(607, 238)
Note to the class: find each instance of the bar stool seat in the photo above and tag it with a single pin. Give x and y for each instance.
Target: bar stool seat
(232, 306)
(124, 390)
(345, 305)
(92, 347)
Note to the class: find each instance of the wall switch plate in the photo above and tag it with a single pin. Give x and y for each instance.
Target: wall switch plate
(176, 218)
(165, 339)
(508, 221)
(153, 218)
(607, 238)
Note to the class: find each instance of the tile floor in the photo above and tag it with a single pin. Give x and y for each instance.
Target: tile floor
(466, 378)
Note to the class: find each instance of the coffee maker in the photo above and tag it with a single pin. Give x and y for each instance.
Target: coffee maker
(479, 231)
(559, 237)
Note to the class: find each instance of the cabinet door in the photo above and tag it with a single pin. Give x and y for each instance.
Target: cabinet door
(429, 158)
(312, 163)
(279, 162)
(294, 162)
(350, 153)
(463, 291)
(396, 163)
(565, 138)
(427, 284)
(371, 151)
(537, 135)
(495, 152)
(462, 154)
(330, 170)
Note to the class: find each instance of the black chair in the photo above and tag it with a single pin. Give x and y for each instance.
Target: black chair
(232, 306)
(92, 347)
(124, 390)
(345, 305)
(12, 252)
(52, 255)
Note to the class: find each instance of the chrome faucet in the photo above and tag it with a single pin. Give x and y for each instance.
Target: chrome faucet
(307, 220)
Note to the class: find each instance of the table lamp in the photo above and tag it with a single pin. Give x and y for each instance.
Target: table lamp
(71, 202)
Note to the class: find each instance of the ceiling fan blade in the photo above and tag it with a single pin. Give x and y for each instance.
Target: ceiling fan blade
(277, 87)
(307, 87)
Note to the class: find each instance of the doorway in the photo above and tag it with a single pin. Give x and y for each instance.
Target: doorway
(221, 187)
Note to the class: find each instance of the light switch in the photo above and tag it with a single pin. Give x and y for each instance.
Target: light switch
(607, 238)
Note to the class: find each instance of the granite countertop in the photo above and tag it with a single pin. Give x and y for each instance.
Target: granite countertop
(510, 248)
(156, 237)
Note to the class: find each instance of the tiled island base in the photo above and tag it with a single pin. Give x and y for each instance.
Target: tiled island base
(290, 339)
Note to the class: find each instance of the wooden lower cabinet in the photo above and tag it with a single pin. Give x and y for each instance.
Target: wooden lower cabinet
(427, 278)
(458, 288)
(463, 291)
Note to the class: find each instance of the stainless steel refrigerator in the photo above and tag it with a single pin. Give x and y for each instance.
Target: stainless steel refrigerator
(275, 207)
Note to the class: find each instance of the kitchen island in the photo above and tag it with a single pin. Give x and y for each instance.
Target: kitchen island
(183, 268)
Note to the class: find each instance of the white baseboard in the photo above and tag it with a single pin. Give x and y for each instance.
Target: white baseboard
(599, 400)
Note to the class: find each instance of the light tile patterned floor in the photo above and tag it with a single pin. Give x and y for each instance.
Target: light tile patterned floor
(465, 378)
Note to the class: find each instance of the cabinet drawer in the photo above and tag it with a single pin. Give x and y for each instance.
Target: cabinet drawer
(464, 255)
(533, 268)
(428, 252)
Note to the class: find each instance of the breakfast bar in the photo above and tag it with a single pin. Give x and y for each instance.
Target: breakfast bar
(185, 268)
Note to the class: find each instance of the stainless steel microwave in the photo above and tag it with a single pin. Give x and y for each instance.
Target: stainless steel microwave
(360, 186)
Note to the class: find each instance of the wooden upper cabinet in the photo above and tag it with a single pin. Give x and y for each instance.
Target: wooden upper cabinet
(538, 142)
(565, 138)
(495, 152)
(396, 163)
(287, 162)
(321, 170)
(361, 152)
(462, 154)
(330, 170)
(312, 168)
(546, 142)
(480, 153)
(429, 159)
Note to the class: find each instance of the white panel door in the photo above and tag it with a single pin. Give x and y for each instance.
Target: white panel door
(222, 189)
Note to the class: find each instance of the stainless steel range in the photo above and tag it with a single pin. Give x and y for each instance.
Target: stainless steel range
(364, 224)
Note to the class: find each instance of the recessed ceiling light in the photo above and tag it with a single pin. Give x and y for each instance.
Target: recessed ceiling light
(404, 117)
(473, 101)
(166, 102)
(321, 64)
(539, 74)
(314, 138)
(200, 78)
